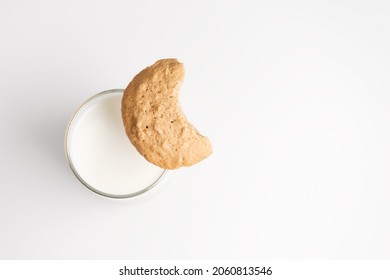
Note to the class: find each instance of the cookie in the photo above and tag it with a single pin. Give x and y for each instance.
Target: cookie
(154, 121)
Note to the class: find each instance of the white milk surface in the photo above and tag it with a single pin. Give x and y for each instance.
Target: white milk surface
(102, 154)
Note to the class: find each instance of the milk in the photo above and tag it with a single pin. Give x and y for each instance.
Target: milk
(101, 152)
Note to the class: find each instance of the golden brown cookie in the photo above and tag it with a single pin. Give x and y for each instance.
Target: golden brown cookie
(154, 121)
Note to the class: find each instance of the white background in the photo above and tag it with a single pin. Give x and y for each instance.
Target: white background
(294, 95)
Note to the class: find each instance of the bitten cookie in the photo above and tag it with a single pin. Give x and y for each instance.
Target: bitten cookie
(154, 121)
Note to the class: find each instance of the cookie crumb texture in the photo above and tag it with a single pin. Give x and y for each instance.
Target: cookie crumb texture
(154, 121)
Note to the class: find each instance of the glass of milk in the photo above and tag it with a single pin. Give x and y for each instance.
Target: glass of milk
(100, 153)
